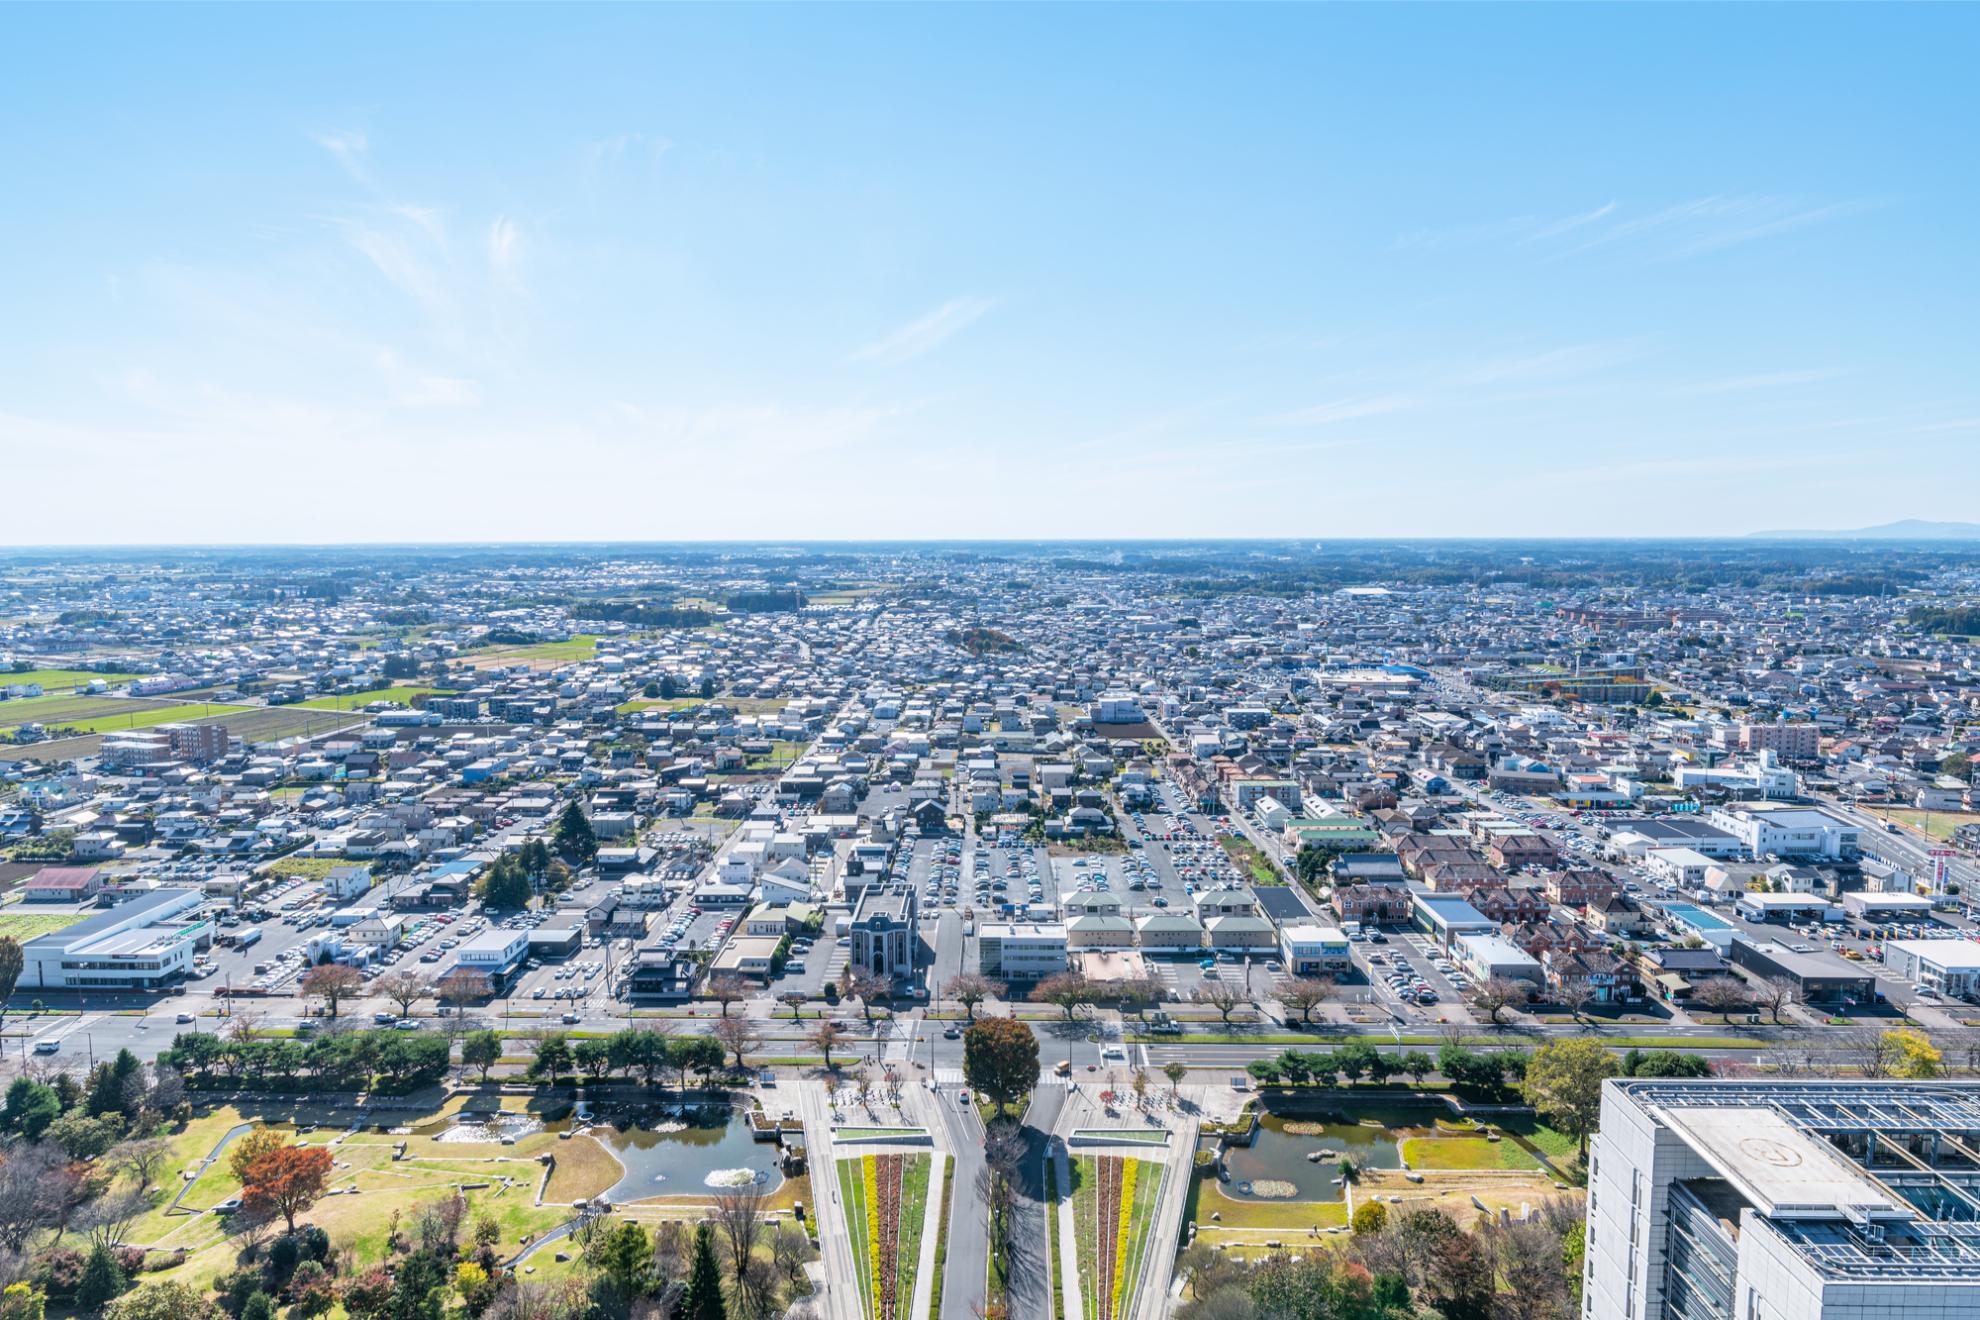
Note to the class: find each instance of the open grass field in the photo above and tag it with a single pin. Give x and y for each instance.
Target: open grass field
(55, 711)
(371, 1186)
(125, 715)
(1935, 825)
(404, 695)
(25, 926)
(1465, 1153)
(64, 680)
(1235, 1216)
(541, 655)
(310, 868)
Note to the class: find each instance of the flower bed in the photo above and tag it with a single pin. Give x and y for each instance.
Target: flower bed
(886, 1202)
(1113, 1207)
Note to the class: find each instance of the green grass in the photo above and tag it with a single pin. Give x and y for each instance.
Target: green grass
(359, 700)
(1207, 1199)
(874, 1133)
(1465, 1153)
(142, 717)
(1136, 1136)
(1936, 825)
(584, 646)
(309, 868)
(25, 926)
(852, 1195)
(65, 680)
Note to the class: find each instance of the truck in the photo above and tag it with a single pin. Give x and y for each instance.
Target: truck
(246, 939)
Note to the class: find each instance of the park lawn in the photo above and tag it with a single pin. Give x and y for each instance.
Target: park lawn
(1465, 1153)
(584, 1169)
(1209, 1199)
(60, 680)
(25, 926)
(359, 700)
(1549, 1141)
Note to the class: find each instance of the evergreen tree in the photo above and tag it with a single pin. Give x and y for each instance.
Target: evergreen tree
(703, 1298)
(102, 1279)
(573, 833)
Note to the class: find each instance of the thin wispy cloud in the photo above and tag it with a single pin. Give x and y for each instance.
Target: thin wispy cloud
(1346, 410)
(1766, 380)
(1690, 228)
(504, 244)
(1548, 364)
(349, 149)
(924, 334)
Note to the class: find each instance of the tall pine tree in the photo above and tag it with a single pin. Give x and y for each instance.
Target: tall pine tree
(703, 1298)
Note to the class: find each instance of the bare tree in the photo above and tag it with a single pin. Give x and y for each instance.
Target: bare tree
(462, 987)
(670, 1250)
(1722, 995)
(739, 1222)
(1873, 1051)
(403, 988)
(38, 1187)
(1222, 996)
(1304, 995)
(726, 988)
(790, 1252)
(109, 1217)
(1776, 994)
(1496, 994)
(739, 1037)
(1069, 992)
(142, 1158)
(969, 990)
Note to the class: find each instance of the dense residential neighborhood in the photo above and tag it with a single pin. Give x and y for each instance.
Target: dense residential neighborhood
(1236, 838)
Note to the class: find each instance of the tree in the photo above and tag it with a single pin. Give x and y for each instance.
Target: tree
(1497, 994)
(726, 988)
(866, 987)
(969, 990)
(739, 1037)
(707, 688)
(403, 988)
(826, 1036)
(1222, 996)
(156, 1301)
(102, 1279)
(462, 987)
(1913, 1055)
(702, 1299)
(573, 834)
(286, 1181)
(1370, 1217)
(1175, 1070)
(1304, 995)
(1137, 995)
(702, 1054)
(11, 963)
(739, 1220)
(591, 1056)
(1564, 1083)
(1000, 1058)
(508, 888)
(1776, 995)
(251, 1146)
(625, 1257)
(483, 1050)
(141, 1157)
(332, 982)
(1721, 995)
(553, 1057)
(31, 1107)
(1418, 1065)
(24, 1301)
(1068, 992)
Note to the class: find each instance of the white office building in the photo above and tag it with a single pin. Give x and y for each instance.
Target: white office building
(1022, 951)
(1950, 967)
(144, 943)
(1784, 1200)
(1802, 832)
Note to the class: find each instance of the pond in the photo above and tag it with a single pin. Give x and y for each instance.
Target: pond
(1275, 1165)
(688, 1150)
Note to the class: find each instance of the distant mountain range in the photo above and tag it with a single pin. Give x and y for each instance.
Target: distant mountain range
(1906, 529)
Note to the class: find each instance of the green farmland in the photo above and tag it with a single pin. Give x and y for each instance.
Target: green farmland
(405, 696)
(65, 680)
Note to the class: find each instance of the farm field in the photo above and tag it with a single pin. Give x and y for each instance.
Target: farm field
(539, 655)
(1935, 825)
(65, 680)
(125, 715)
(269, 723)
(66, 709)
(359, 700)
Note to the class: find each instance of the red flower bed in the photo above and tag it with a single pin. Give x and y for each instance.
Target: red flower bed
(1107, 1238)
(886, 1289)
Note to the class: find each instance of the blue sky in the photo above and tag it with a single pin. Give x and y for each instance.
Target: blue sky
(276, 273)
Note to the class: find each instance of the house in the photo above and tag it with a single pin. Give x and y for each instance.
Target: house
(347, 882)
(63, 884)
(1577, 887)
(1241, 931)
(1590, 975)
(1099, 930)
(1373, 903)
(1617, 915)
(377, 932)
(1172, 931)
